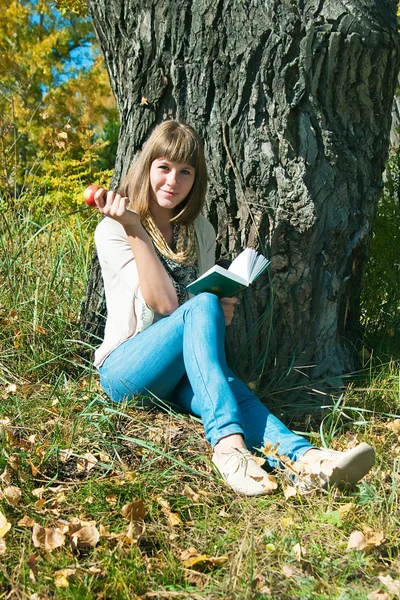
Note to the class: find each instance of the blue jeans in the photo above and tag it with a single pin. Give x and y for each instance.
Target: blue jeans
(181, 359)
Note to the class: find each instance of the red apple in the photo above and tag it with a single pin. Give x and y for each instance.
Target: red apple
(89, 194)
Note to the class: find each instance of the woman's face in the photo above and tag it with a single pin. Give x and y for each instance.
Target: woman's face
(170, 182)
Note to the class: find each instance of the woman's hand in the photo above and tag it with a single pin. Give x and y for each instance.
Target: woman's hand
(228, 306)
(114, 205)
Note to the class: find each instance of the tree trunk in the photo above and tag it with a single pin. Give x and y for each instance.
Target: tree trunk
(293, 100)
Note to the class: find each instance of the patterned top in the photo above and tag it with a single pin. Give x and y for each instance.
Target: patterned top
(181, 275)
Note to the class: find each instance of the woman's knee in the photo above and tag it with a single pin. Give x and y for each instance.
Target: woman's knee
(206, 301)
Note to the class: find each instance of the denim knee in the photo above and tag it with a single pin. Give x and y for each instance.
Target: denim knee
(206, 301)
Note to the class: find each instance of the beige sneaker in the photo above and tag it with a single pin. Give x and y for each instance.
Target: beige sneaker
(331, 468)
(242, 473)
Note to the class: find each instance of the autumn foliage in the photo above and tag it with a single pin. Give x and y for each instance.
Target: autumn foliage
(56, 106)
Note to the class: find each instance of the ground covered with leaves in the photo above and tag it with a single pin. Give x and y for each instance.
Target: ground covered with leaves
(101, 501)
(116, 502)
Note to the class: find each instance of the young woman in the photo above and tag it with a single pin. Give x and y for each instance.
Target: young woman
(153, 242)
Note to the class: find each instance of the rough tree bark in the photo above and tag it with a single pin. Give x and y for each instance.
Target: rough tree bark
(293, 99)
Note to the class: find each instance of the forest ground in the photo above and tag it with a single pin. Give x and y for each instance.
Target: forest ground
(114, 502)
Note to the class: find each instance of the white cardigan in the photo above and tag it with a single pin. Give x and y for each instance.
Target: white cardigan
(120, 278)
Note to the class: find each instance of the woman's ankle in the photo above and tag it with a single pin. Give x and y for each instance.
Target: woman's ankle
(229, 443)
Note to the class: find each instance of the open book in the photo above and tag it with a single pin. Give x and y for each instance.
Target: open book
(228, 282)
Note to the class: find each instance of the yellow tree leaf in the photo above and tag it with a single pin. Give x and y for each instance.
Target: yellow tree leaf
(61, 577)
(4, 525)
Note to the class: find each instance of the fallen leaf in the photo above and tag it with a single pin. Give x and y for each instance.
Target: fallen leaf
(378, 595)
(34, 469)
(61, 577)
(26, 522)
(3, 547)
(287, 522)
(65, 455)
(259, 584)
(356, 541)
(394, 425)
(374, 538)
(298, 551)
(47, 538)
(75, 524)
(40, 330)
(191, 493)
(290, 571)
(87, 537)
(32, 564)
(14, 460)
(39, 504)
(144, 101)
(135, 531)
(86, 462)
(134, 511)
(4, 525)
(173, 518)
(11, 388)
(13, 494)
(112, 499)
(346, 509)
(6, 476)
(196, 578)
(186, 554)
(191, 557)
(63, 135)
(393, 585)
(289, 492)
(38, 492)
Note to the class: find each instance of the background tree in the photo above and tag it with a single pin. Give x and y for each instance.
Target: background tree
(293, 100)
(55, 101)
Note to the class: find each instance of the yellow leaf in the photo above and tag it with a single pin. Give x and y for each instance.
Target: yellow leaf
(26, 522)
(61, 577)
(144, 101)
(112, 499)
(40, 330)
(174, 519)
(4, 525)
(134, 511)
(346, 509)
(287, 522)
(63, 135)
(204, 560)
(189, 553)
(46, 538)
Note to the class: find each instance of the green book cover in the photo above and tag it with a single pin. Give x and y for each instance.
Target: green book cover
(217, 283)
(226, 282)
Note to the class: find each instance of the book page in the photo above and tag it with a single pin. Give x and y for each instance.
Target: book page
(249, 265)
(242, 264)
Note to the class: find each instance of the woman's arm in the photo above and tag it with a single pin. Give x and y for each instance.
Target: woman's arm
(156, 286)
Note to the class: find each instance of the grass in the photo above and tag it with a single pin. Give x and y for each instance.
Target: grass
(77, 459)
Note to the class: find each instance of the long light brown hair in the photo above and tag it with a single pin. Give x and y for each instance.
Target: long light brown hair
(176, 142)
